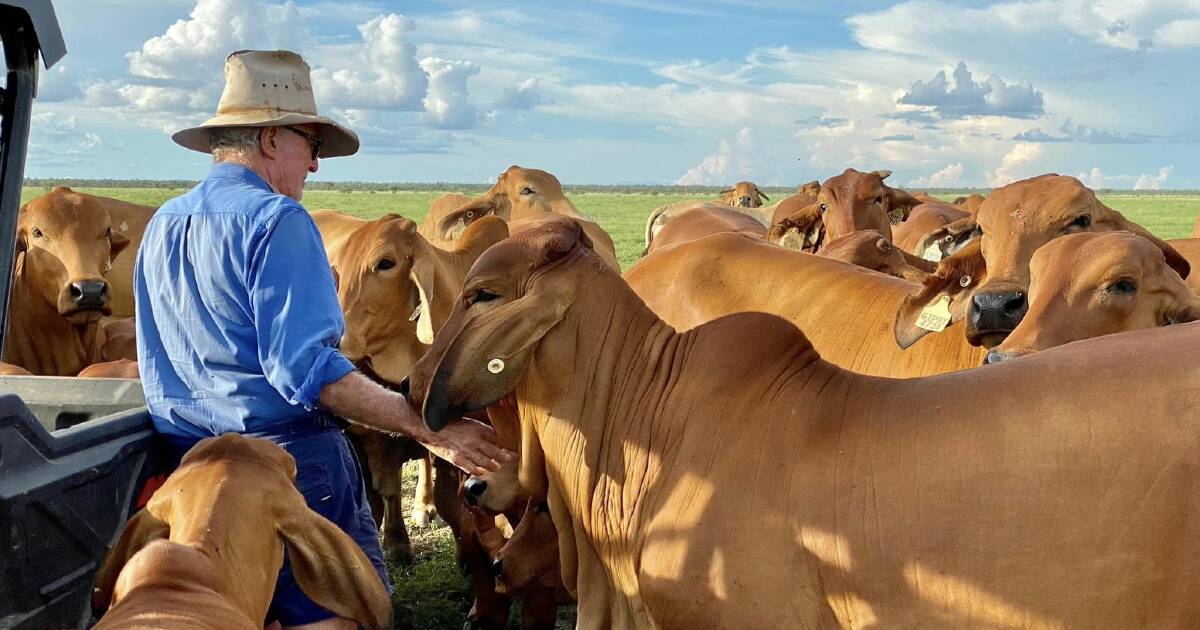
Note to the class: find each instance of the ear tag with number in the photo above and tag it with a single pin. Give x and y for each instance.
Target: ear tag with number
(935, 316)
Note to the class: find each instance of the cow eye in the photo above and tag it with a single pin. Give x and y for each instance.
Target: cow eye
(1083, 221)
(384, 264)
(526, 191)
(483, 295)
(36, 233)
(823, 208)
(1124, 285)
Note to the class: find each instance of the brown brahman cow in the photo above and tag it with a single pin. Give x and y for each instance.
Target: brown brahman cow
(439, 209)
(395, 289)
(871, 250)
(66, 245)
(1097, 283)
(970, 204)
(206, 550)
(1013, 223)
(703, 221)
(743, 195)
(522, 193)
(861, 201)
(729, 477)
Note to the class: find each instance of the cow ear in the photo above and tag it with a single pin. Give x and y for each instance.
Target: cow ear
(762, 194)
(330, 568)
(1187, 311)
(558, 238)
(140, 531)
(424, 277)
(955, 280)
(452, 225)
(883, 174)
(901, 200)
(726, 191)
(117, 242)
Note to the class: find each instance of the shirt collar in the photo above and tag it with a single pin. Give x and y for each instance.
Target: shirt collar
(230, 170)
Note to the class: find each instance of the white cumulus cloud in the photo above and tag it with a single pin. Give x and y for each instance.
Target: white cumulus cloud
(380, 73)
(948, 177)
(447, 105)
(1015, 164)
(1154, 182)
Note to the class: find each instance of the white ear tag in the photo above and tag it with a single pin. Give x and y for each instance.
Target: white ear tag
(496, 366)
(935, 316)
(932, 253)
(416, 312)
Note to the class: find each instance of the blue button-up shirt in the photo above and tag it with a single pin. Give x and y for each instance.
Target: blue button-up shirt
(237, 314)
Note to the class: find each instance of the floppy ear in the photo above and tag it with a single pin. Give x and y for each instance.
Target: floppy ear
(1187, 311)
(330, 568)
(142, 529)
(480, 235)
(956, 278)
(958, 232)
(117, 242)
(424, 276)
(883, 174)
(900, 200)
(466, 215)
(726, 191)
(762, 194)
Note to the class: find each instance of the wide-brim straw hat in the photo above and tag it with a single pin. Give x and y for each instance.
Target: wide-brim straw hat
(269, 88)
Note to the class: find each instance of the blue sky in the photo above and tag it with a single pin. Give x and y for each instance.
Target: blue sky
(654, 91)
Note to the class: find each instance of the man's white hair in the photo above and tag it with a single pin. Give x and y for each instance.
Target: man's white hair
(236, 144)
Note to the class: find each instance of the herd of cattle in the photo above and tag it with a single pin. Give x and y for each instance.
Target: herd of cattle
(705, 440)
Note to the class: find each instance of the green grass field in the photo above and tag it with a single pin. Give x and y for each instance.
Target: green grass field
(432, 593)
(623, 215)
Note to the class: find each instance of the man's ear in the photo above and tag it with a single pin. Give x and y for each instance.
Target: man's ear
(330, 568)
(956, 278)
(142, 529)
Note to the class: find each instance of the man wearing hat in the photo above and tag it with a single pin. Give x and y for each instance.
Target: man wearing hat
(237, 315)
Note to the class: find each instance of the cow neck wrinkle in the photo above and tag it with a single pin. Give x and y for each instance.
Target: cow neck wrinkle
(29, 315)
(626, 395)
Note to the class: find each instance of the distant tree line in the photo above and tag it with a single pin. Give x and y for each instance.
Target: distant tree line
(636, 189)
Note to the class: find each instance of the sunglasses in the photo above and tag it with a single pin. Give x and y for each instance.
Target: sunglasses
(313, 141)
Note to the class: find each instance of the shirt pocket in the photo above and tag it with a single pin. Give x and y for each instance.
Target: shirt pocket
(313, 482)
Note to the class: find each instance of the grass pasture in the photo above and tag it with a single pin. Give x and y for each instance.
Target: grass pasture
(432, 593)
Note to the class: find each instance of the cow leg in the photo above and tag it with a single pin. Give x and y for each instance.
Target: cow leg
(490, 609)
(423, 510)
(396, 546)
(539, 608)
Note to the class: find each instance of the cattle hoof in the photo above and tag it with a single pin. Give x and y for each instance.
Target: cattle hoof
(423, 517)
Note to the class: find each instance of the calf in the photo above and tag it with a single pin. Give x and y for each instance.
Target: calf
(743, 195)
(1091, 284)
(206, 550)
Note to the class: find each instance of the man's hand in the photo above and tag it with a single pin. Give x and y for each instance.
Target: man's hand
(468, 444)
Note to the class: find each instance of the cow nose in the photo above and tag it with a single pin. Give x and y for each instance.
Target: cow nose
(998, 311)
(744, 201)
(473, 490)
(497, 568)
(89, 294)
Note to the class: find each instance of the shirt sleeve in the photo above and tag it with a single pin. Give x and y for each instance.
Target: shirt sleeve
(295, 309)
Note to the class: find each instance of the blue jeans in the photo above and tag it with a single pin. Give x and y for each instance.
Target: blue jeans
(330, 478)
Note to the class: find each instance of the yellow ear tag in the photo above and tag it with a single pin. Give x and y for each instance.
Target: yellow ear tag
(932, 253)
(935, 316)
(496, 366)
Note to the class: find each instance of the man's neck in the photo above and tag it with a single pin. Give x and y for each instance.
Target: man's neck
(251, 163)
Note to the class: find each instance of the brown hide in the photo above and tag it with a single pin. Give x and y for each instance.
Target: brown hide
(206, 550)
(870, 250)
(925, 226)
(856, 200)
(704, 221)
(874, 501)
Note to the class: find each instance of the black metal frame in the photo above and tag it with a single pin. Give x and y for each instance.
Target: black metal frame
(27, 27)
